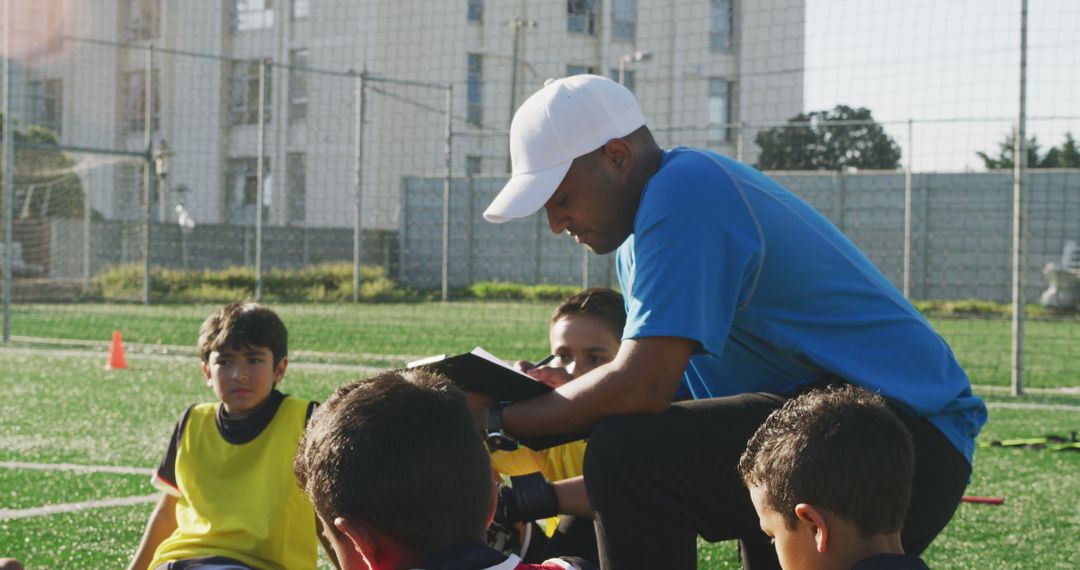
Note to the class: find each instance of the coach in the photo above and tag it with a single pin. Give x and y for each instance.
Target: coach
(740, 292)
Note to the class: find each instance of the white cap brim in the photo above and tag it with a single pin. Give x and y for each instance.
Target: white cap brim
(526, 193)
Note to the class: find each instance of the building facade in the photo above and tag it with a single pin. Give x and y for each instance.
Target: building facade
(83, 68)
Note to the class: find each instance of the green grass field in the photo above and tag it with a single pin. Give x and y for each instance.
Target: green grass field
(61, 406)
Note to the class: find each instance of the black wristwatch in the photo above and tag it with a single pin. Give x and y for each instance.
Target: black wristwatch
(497, 438)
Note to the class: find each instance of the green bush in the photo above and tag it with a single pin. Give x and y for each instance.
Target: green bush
(329, 282)
(494, 290)
(974, 308)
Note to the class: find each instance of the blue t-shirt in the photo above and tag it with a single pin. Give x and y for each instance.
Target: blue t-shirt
(777, 297)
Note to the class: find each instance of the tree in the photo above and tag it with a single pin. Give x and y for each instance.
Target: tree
(815, 141)
(44, 183)
(1005, 157)
(1066, 156)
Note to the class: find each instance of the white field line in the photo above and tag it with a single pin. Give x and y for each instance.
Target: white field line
(77, 468)
(1033, 406)
(1006, 389)
(9, 514)
(173, 349)
(192, 359)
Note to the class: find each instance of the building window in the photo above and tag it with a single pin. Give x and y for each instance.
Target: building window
(474, 112)
(627, 79)
(296, 187)
(476, 11)
(47, 104)
(244, 93)
(721, 110)
(298, 92)
(251, 15)
(301, 9)
(134, 112)
(721, 24)
(143, 19)
(242, 189)
(581, 16)
(623, 19)
(474, 165)
(577, 69)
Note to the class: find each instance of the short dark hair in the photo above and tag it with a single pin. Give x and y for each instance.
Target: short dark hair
(401, 452)
(241, 324)
(604, 304)
(839, 448)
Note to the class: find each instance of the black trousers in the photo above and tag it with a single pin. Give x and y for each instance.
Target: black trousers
(657, 481)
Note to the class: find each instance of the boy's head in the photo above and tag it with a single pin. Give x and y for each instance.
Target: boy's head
(244, 348)
(830, 474)
(586, 330)
(395, 470)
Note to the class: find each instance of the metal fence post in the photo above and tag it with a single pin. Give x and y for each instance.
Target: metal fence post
(584, 265)
(739, 141)
(907, 212)
(1019, 158)
(446, 198)
(260, 149)
(358, 140)
(8, 165)
(149, 176)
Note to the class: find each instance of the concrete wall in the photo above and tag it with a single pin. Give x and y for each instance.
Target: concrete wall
(961, 231)
(208, 246)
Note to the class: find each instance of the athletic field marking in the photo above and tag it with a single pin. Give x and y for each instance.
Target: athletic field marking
(192, 359)
(77, 468)
(1033, 406)
(11, 514)
(1068, 390)
(138, 348)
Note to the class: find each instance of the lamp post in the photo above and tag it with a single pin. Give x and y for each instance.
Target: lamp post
(631, 57)
(516, 24)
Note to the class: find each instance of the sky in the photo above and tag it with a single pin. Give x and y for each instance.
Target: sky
(950, 65)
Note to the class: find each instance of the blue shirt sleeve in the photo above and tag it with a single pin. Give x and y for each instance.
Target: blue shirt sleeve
(696, 253)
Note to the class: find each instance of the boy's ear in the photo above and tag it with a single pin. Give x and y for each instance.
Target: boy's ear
(279, 370)
(206, 372)
(817, 523)
(361, 538)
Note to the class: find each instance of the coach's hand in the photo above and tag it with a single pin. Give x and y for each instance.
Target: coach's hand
(550, 375)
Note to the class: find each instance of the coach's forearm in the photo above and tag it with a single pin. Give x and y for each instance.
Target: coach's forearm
(642, 379)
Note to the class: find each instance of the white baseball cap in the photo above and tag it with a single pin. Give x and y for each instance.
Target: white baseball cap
(567, 118)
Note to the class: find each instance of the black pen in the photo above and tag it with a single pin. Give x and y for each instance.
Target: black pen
(546, 359)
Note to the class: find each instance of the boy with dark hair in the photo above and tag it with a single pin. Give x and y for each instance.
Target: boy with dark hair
(230, 499)
(585, 332)
(399, 478)
(830, 477)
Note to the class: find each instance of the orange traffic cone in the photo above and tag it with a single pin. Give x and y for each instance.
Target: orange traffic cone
(116, 353)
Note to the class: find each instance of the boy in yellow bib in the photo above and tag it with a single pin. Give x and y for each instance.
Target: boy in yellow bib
(231, 500)
(585, 332)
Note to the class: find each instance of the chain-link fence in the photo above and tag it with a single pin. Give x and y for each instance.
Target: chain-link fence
(343, 151)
